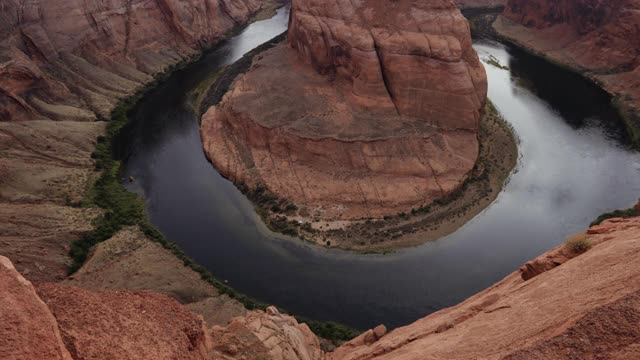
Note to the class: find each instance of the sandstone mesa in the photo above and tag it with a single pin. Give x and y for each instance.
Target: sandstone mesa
(361, 94)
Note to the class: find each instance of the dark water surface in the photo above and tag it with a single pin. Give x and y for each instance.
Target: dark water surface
(572, 168)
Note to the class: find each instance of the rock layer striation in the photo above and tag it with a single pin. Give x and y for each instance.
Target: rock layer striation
(600, 39)
(373, 108)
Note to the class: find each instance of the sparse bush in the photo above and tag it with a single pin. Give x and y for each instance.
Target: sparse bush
(578, 243)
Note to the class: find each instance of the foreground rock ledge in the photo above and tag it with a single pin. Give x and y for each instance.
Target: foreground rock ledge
(371, 110)
(583, 305)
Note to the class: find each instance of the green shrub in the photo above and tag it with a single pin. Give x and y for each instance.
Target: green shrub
(626, 213)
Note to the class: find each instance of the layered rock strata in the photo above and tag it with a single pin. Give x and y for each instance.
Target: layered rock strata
(369, 110)
(64, 64)
(599, 39)
(67, 322)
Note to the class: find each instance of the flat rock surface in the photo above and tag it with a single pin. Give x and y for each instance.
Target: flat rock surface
(131, 261)
(121, 324)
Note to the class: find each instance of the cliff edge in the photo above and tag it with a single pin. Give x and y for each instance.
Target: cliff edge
(598, 39)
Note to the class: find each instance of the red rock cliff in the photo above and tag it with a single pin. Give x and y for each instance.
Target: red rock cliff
(71, 61)
(415, 57)
(598, 38)
(67, 322)
(374, 111)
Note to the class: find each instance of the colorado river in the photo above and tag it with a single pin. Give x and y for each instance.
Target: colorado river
(572, 167)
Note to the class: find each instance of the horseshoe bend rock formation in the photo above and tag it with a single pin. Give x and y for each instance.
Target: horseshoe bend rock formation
(598, 38)
(372, 108)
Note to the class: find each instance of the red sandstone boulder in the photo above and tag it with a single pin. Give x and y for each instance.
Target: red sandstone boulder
(265, 335)
(28, 330)
(114, 324)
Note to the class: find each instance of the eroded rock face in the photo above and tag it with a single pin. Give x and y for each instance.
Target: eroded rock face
(72, 60)
(595, 37)
(265, 335)
(28, 329)
(125, 324)
(586, 305)
(372, 109)
(413, 58)
(66, 322)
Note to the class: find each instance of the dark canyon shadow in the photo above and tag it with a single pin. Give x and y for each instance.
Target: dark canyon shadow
(574, 97)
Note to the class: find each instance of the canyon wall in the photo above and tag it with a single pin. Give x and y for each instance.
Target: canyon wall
(573, 302)
(600, 39)
(73, 60)
(64, 64)
(371, 109)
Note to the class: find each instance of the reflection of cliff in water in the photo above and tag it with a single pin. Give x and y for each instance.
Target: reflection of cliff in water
(573, 96)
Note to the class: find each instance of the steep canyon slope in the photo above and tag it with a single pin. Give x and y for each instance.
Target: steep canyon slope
(574, 306)
(600, 39)
(370, 109)
(584, 306)
(64, 65)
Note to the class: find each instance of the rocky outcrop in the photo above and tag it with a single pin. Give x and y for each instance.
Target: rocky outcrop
(125, 324)
(67, 322)
(28, 329)
(596, 38)
(72, 60)
(265, 335)
(131, 261)
(586, 305)
(371, 110)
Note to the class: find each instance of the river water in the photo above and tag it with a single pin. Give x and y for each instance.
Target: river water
(573, 166)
